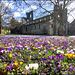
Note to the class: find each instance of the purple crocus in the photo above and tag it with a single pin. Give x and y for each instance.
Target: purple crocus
(14, 58)
(2, 57)
(11, 61)
(21, 60)
(56, 57)
(74, 68)
(8, 68)
(42, 62)
(43, 54)
(59, 66)
(48, 63)
(61, 56)
(52, 57)
(55, 69)
(44, 59)
(39, 50)
(16, 54)
(70, 68)
(48, 57)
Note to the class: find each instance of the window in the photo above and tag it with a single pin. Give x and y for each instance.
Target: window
(50, 17)
(52, 26)
(39, 26)
(30, 16)
(45, 18)
(26, 28)
(35, 27)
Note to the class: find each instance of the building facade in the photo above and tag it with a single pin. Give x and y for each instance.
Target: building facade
(44, 25)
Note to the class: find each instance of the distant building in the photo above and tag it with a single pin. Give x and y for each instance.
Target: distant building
(44, 25)
(71, 30)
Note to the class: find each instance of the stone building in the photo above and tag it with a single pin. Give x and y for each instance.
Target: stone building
(71, 30)
(44, 25)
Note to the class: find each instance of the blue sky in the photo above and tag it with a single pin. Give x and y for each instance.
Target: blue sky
(20, 11)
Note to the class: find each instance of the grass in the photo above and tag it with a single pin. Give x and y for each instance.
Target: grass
(2, 34)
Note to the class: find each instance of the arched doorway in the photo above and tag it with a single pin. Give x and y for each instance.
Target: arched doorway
(44, 31)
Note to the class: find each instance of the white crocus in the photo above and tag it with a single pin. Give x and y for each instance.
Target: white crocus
(32, 66)
(58, 51)
(2, 51)
(27, 68)
(30, 56)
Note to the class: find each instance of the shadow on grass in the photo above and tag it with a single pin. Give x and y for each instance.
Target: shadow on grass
(33, 34)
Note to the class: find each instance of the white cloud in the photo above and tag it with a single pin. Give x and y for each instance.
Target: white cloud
(17, 14)
(23, 11)
(9, 5)
(33, 7)
(70, 19)
(70, 7)
(19, 20)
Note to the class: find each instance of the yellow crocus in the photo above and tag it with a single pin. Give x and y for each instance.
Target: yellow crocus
(51, 48)
(34, 48)
(5, 65)
(55, 46)
(69, 56)
(21, 70)
(74, 56)
(16, 63)
(17, 68)
(21, 63)
(10, 55)
(13, 69)
(58, 43)
(66, 54)
(6, 47)
(12, 64)
(5, 70)
(4, 50)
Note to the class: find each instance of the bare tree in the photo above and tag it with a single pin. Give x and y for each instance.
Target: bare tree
(60, 12)
(5, 10)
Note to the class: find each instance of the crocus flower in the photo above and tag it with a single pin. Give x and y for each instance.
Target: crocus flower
(11, 61)
(16, 54)
(21, 63)
(70, 68)
(44, 59)
(55, 69)
(44, 50)
(2, 57)
(39, 50)
(47, 62)
(52, 57)
(48, 57)
(56, 57)
(27, 67)
(8, 68)
(5, 65)
(34, 66)
(10, 55)
(14, 57)
(59, 66)
(74, 68)
(61, 56)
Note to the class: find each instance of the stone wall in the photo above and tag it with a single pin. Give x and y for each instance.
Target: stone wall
(38, 28)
